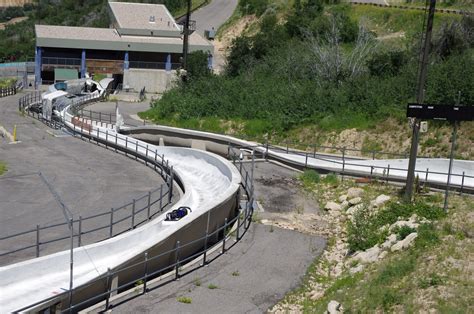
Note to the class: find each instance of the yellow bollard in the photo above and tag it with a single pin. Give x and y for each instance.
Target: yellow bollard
(14, 133)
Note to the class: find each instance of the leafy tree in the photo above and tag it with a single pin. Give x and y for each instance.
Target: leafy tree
(198, 65)
(386, 63)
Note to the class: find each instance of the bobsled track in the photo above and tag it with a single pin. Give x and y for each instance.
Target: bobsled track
(208, 184)
(432, 172)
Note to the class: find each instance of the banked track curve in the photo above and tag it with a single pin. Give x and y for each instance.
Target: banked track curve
(209, 182)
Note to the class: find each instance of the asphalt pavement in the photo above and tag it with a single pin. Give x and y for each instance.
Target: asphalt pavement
(250, 278)
(213, 15)
(87, 178)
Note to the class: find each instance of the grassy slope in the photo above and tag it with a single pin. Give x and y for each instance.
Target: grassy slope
(435, 274)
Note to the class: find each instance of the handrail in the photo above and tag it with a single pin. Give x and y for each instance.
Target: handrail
(242, 220)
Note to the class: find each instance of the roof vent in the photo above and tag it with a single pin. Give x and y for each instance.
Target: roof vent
(152, 19)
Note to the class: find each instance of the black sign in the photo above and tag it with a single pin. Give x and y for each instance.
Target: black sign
(440, 112)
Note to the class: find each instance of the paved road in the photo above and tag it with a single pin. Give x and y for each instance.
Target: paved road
(89, 179)
(213, 15)
(251, 277)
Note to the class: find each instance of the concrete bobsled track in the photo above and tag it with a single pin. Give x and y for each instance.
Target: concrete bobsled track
(208, 183)
(462, 174)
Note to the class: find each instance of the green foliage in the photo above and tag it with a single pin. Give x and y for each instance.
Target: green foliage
(185, 300)
(198, 65)
(366, 228)
(363, 232)
(331, 179)
(7, 82)
(9, 13)
(430, 281)
(270, 88)
(403, 231)
(3, 167)
(310, 177)
(427, 236)
(387, 63)
(212, 286)
(256, 7)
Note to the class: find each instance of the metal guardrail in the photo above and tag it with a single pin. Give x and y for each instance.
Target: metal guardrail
(8, 91)
(240, 225)
(376, 172)
(98, 116)
(128, 212)
(235, 227)
(407, 7)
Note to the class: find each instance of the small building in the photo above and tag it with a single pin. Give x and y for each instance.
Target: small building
(142, 48)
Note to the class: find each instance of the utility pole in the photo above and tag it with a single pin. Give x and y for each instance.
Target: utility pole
(419, 99)
(186, 40)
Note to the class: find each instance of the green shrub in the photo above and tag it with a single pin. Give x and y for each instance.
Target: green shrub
(3, 168)
(185, 300)
(403, 231)
(212, 286)
(363, 232)
(331, 179)
(427, 236)
(432, 280)
(257, 7)
(310, 177)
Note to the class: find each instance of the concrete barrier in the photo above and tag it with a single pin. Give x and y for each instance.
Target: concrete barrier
(210, 185)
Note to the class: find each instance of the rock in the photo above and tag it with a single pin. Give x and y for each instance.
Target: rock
(403, 244)
(383, 254)
(368, 256)
(354, 192)
(381, 200)
(355, 201)
(343, 198)
(403, 223)
(316, 295)
(334, 307)
(357, 269)
(351, 211)
(390, 241)
(332, 206)
(344, 205)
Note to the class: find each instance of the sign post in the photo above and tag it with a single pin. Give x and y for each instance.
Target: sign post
(454, 113)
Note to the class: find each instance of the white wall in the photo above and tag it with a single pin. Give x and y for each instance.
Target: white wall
(154, 81)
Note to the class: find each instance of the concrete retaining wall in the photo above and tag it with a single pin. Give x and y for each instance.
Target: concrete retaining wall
(154, 81)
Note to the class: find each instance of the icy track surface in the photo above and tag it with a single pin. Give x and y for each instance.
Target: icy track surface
(208, 181)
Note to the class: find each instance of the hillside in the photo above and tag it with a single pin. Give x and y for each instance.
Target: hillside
(14, 3)
(281, 80)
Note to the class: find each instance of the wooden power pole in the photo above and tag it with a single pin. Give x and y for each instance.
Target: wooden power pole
(419, 99)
